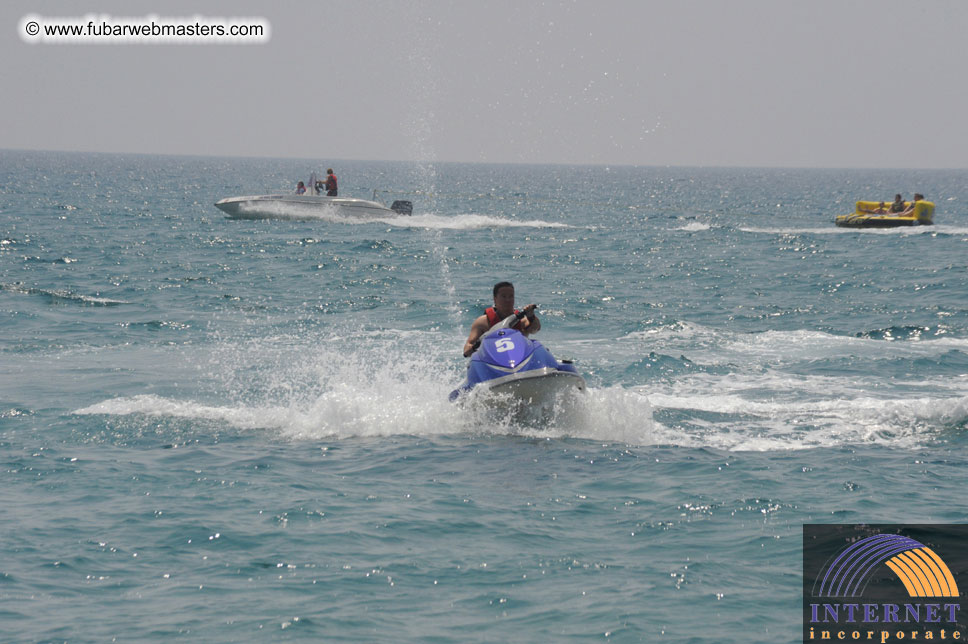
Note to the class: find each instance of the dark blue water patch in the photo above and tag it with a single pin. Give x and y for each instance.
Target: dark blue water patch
(156, 325)
(243, 303)
(145, 431)
(205, 279)
(949, 363)
(666, 367)
(60, 296)
(954, 432)
(380, 245)
(43, 464)
(697, 422)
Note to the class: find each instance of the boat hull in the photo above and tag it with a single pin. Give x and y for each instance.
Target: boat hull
(537, 387)
(301, 207)
(876, 221)
(534, 397)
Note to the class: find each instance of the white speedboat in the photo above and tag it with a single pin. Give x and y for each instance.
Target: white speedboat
(294, 206)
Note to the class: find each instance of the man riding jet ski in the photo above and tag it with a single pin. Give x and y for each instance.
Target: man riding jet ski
(503, 307)
(505, 361)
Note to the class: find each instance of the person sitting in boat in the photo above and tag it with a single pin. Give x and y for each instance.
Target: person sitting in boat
(880, 210)
(910, 209)
(503, 307)
(300, 188)
(898, 205)
(319, 186)
(331, 189)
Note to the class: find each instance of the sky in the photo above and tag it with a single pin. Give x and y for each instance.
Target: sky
(754, 83)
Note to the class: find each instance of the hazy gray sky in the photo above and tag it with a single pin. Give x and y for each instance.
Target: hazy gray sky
(845, 83)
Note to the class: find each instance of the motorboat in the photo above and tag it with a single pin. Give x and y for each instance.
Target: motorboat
(309, 206)
(871, 214)
(515, 370)
(295, 206)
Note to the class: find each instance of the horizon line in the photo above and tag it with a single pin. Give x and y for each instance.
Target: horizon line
(446, 161)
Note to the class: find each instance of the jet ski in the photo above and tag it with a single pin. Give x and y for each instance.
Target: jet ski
(518, 370)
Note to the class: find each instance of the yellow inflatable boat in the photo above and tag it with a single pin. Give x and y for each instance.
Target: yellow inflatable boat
(866, 215)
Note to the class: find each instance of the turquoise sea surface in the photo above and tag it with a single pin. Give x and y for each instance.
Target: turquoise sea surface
(215, 430)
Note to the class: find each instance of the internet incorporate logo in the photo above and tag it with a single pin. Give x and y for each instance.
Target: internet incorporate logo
(922, 572)
(880, 583)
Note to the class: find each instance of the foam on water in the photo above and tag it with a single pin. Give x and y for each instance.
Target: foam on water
(373, 384)
(694, 227)
(396, 383)
(612, 415)
(745, 419)
(767, 346)
(466, 222)
(755, 391)
(735, 419)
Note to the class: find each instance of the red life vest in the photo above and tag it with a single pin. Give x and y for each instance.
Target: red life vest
(493, 318)
(331, 182)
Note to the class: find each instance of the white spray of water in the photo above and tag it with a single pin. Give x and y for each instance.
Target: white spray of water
(467, 222)
(695, 227)
(746, 397)
(393, 383)
(751, 393)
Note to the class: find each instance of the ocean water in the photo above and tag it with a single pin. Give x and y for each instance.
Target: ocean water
(238, 431)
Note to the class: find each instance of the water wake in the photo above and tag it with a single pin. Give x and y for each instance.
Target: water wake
(387, 386)
(699, 387)
(467, 222)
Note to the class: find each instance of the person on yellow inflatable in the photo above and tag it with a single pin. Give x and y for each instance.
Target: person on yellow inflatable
(880, 210)
(898, 205)
(910, 209)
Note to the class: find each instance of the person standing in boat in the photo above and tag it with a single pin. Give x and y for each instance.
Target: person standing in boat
(331, 189)
(503, 293)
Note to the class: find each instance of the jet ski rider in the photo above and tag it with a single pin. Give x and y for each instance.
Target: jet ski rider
(503, 307)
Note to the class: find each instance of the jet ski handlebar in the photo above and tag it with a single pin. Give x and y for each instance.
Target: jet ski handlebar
(509, 321)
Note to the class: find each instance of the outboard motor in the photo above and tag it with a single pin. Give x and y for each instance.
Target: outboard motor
(402, 207)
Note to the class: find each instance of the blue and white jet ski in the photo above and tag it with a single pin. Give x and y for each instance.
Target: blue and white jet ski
(508, 363)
